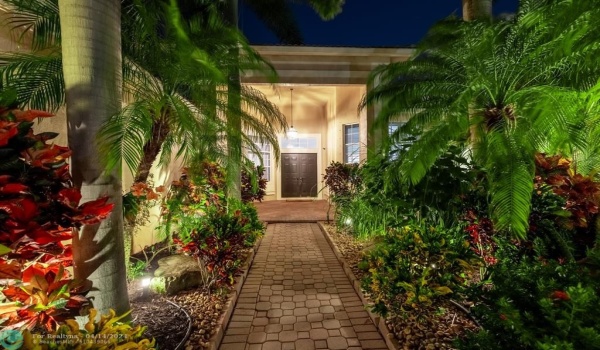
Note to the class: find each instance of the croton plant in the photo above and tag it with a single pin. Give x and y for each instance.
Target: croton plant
(39, 207)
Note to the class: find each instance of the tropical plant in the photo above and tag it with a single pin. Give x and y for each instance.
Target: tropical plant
(107, 332)
(379, 201)
(536, 303)
(415, 264)
(506, 90)
(254, 185)
(208, 225)
(342, 180)
(180, 104)
(39, 208)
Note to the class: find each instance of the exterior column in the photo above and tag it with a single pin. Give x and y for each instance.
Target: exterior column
(370, 137)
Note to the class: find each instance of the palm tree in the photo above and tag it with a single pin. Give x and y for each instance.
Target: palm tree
(520, 85)
(172, 105)
(91, 51)
(179, 106)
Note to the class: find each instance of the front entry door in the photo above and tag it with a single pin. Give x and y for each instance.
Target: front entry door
(298, 175)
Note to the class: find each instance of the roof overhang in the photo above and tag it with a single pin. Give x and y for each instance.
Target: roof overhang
(325, 65)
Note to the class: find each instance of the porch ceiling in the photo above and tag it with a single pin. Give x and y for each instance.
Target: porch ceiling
(315, 95)
(303, 94)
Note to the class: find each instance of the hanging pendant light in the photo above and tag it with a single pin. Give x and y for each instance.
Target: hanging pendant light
(292, 132)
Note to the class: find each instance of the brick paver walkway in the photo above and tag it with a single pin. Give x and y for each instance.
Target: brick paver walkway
(293, 211)
(297, 296)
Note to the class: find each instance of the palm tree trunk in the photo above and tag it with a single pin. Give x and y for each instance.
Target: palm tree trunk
(234, 122)
(477, 9)
(472, 10)
(160, 131)
(91, 51)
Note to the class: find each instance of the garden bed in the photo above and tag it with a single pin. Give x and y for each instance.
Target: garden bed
(167, 318)
(434, 326)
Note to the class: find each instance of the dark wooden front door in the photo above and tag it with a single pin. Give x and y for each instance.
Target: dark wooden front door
(298, 175)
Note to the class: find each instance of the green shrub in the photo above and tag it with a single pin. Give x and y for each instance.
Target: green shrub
(416, 264)
(219, 237)
(380, 200)
(536, 303)
(211, 227)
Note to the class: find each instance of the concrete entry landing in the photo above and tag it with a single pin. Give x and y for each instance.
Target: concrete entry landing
(293, 211)
(297, 297)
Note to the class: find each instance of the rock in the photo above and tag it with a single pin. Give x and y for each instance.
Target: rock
(176, 273)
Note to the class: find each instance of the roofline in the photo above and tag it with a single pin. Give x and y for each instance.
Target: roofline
(332, 51)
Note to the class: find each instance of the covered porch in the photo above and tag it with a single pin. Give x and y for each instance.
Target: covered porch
(319, 91)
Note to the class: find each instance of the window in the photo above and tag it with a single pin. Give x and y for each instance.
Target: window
(265, 153)
(395, 144)
(351, 144)
(308, 142)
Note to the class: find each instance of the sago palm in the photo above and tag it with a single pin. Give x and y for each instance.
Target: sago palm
(505, 90)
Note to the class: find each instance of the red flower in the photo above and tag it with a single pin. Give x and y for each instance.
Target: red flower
(503, 317)
(560, 295)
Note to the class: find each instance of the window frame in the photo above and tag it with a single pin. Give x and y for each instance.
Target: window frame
(345, 155)
(265, 155)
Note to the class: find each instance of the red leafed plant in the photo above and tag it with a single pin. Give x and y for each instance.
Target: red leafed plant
(38, 210)
(481, 233)
(581, 193)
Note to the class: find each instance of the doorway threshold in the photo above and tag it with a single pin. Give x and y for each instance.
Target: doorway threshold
(301, 199)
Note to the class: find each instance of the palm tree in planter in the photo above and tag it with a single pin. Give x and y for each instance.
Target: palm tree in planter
(505, 90)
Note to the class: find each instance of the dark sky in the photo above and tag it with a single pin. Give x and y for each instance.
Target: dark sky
(396, 23)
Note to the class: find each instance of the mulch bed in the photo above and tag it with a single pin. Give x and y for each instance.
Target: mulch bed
(168, 324)
(434, 326)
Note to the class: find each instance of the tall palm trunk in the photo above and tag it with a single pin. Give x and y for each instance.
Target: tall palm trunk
(91, 50)
(477, 9)
(234, 121)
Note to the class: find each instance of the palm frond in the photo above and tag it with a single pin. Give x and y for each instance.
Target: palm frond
(35, 22)
(37, 77)
(510, 174)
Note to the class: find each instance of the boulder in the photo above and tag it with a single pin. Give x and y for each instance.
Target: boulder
(176, 273)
